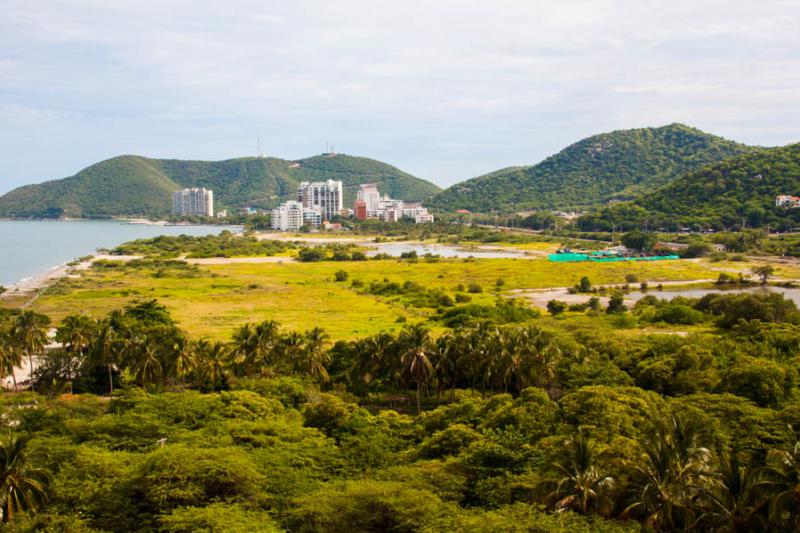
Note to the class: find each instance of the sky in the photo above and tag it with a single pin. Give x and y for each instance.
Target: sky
(443, 89)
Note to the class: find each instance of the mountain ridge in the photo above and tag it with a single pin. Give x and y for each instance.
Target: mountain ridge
(739, 191)
(608, 166)
(133, 185)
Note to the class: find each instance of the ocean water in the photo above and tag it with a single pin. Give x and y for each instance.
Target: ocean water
(32, 247)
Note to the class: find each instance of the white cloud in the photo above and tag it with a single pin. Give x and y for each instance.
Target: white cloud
(445, 89)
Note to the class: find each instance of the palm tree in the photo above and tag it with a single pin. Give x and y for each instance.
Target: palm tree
(672, 471)
(730, 502)
(30, 333)
(444, 363)
(144, 361)
(416, 343)
(212, 362)
(255, 346)
(10, 356)
(582, 487)
(184, 360)
(103, 349)
(21, 485)
(313, 356)
(75, 333)
(780, 479)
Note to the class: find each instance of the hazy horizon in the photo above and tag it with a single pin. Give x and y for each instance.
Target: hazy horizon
(445, 91)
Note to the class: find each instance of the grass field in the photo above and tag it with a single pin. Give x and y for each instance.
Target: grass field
(304, 295)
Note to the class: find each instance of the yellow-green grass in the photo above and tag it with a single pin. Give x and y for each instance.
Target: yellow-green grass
(304, 295)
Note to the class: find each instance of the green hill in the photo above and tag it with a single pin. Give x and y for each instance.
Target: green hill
(723, 195)
(138, 186)
(609, 166)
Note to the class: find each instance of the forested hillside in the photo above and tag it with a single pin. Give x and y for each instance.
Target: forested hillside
(133, 185)
(737, 191)
(615, 165)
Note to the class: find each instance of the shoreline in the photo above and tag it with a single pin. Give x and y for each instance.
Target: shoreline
(31, 285)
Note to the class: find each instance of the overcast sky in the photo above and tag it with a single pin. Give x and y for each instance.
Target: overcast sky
(444, 89)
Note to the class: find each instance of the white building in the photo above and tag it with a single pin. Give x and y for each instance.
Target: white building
(416, 212)
(787, 201)
(291, 216)
(197, 201)
(368, 193)
(326, 195)
(370, 204)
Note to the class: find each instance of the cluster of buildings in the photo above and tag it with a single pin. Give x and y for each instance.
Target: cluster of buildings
(318, 203)
(371, 205)
(197, 201)
(787, 202)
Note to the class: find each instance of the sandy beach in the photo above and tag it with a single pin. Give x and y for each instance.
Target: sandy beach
(33, 284)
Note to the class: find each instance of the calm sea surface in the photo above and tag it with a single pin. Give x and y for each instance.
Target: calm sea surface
(32, 247)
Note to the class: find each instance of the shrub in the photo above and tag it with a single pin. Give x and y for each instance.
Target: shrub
(616, 304)
(556, 307)
(341, 275)
(474, 288)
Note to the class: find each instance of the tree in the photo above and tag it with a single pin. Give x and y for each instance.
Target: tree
(585, 285)
(314, 356)
(29, 332)
(416, 343)
(639, 241)
(103, 349)
(10, 356)
(730, 506)
(781, 480)
(556, 307)
(212, 362)
(75, 333)
(21, 485)
(616, 304)
(583, 486)
(674, 468)
(763, 272)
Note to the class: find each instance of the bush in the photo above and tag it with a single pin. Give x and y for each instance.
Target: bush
(616, 304)
(765, 382)
(678, 314)
(556, 307)
(474, 288)
(463, 298)
(341, 275)
(310, 255)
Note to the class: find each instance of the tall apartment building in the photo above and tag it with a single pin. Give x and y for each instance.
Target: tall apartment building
(197, 201)
(368, 193)
(291, 216)
(326, 195)
(370, 205)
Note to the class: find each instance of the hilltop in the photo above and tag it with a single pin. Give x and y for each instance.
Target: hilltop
(723, 195)
(131, 185)
(610, 166)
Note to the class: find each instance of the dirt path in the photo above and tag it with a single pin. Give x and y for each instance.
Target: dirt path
(235, 260)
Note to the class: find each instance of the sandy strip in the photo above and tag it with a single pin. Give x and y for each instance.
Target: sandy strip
(540, 297)
(33, 284)
(235, 260)
(312, 240)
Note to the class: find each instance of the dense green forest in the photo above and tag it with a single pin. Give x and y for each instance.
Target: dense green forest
(615, 165)
(735, 192)
(133, 185)
(511, 422)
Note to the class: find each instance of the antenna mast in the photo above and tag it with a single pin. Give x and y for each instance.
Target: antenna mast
(258, 143)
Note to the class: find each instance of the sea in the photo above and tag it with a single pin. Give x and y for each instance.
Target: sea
(32, 247)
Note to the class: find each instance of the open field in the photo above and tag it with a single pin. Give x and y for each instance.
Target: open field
(302, 295)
